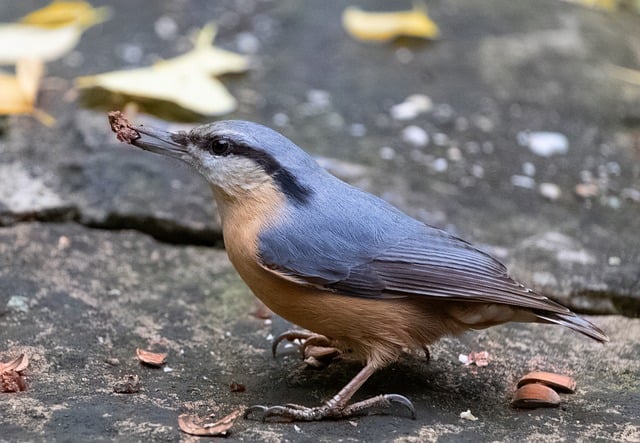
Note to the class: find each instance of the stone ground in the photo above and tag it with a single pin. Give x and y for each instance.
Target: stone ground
(104, 249)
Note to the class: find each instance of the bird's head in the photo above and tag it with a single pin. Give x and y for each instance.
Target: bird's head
(239, 159)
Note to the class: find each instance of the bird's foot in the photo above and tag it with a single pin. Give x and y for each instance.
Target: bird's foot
(293, 412)
(315, 349)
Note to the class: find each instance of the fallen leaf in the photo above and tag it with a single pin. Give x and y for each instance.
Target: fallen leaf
(625, 74)
(11, 379)
(384, 26)
(19, 91)
(18, 364)
(59, 13)
(194, 425)
(48, 33)
(187, 80)
(129, 384)
(558, 382)
(606, 5)
(151, 358)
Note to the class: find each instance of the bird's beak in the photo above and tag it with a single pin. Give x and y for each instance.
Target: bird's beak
(161, 142)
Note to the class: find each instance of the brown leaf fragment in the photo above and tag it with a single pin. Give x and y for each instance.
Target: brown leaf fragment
(121, 126)
(129, 384)
(559, 382)
(192, 424)
(12, 381)
(237, 387)
(155, 359)
(535, 395)
(18, 364)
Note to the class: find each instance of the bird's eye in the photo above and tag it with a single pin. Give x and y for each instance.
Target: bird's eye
(219, 146)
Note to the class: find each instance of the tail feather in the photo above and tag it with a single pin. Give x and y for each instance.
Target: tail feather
(572, 321)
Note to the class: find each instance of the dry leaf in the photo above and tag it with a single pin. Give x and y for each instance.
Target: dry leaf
(559, 382)
(194, 425)
(19, 92)
(607, 5)
(384, 26)
(151, 358)
(625, 74)
(535, 395)
(47, 34)
(186, 80)
(18, 364)
(10, 378)
(61, 13)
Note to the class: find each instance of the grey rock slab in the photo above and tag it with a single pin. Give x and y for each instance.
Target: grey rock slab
(93, 296)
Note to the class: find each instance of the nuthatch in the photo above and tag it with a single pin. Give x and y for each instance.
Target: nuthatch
(341, 262)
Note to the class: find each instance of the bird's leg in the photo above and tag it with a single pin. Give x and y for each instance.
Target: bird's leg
(315, 349)
(335, 408)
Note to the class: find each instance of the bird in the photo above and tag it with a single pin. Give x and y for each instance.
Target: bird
(346, 265)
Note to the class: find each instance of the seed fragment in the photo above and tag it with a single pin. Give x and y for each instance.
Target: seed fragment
(559, 382)
(535, 395)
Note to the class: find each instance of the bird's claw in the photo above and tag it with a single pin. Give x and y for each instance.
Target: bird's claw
(294, 412)
(316, 350)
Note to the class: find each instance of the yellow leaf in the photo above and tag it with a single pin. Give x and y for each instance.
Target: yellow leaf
(60, 13)
(384, 26)
(607, 5)
(19, 92)
(186, 80)
(26, 41)
(625, 74)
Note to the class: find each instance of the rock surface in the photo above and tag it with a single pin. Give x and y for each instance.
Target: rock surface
(93, 297)
(73, 294)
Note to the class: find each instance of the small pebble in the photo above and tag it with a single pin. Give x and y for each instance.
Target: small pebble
(529, 169)
(522, 181)
(404, 55)
(18, 303)
(440, 164)
(454, 154)
(587, 190)
(415, 136)
(467, 415)
(550, 191)
(441, 139)
(411, 107)
(614, 261)
(280, 119)
(166, 28)
(357, 130)
(247, 43)
(387, 153)
(544, 144)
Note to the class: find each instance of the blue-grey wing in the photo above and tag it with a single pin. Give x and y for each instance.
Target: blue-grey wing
(417, 261)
